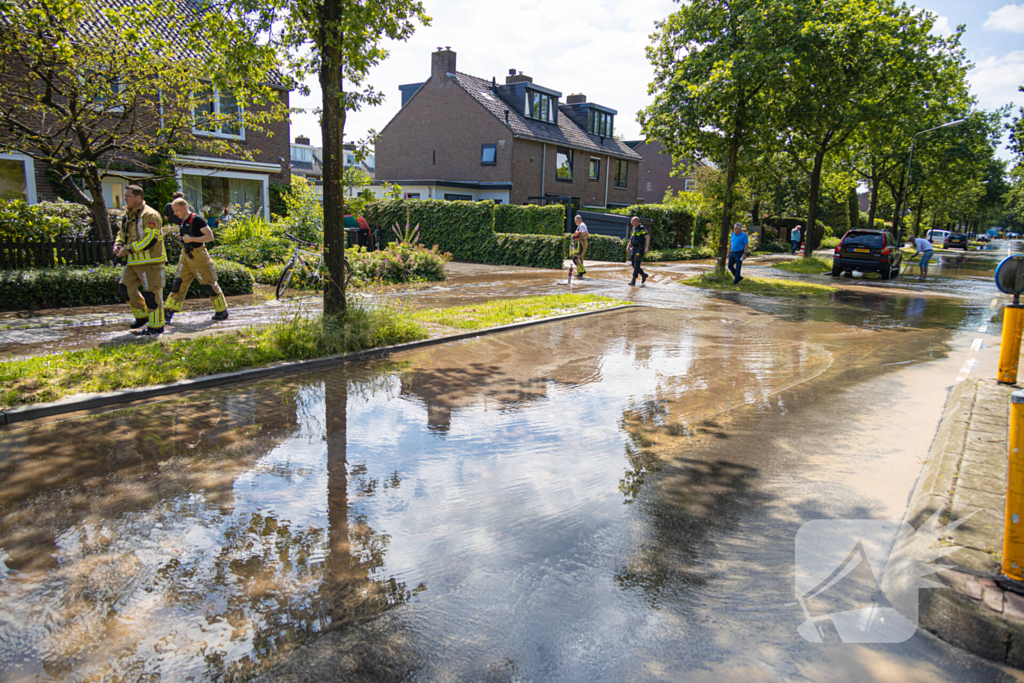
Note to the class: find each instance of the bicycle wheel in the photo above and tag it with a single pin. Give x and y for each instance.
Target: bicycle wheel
(348, 272)
(286, 276)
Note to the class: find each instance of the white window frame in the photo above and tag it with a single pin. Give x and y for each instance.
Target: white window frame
(206, 173)
(689, 185)
(308, 148)
(29, 167)
(216, 133)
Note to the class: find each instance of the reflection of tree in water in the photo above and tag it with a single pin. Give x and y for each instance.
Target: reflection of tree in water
(639, 454)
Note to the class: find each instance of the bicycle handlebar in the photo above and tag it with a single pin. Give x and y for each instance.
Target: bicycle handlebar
(293, 238)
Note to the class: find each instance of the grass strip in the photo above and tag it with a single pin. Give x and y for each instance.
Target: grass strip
(124, 366)
(680, 254)
(807, 266)
(507, 311)
(753, 285)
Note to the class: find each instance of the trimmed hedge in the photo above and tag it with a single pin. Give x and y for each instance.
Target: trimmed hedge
(65, 287)
(534, 251)
(605, 248)
(671, 226)
(528, 219)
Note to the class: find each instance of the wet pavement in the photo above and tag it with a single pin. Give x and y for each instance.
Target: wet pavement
(607, 498)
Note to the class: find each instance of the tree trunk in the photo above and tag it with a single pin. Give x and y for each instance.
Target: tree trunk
(897, 214)
(332, 128)
(812, 237)
(96, 203)
(755, 213)
(730, 182)
(920, 211)
(873, 209)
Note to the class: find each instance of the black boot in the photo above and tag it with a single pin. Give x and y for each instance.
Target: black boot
(168, 315)
(139, 322)
(220, 315)
(152, 332)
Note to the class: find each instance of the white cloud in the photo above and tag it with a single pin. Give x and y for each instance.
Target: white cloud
(591, 46)
(1006, 18)
(941, 26)
(994, 80)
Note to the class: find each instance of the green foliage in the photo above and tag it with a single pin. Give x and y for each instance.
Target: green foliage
(681, 254)
(528, 219)
(853, 208)
(256, 253)
(774, 248)
(835, 213)
(831, 242)
(756, 285)
(35, 289)
(671, 224)
(807, 266)
(46, 220)
(305, 211)
(396, 264)
(606, 248)
(508, 311)
(534, 251)
(278, 205)
(784, 225)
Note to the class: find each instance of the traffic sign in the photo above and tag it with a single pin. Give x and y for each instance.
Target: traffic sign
(1010, 275)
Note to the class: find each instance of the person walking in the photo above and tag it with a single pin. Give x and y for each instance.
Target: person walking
(169, 216)
(926, 250)
(194, 264)
(580, 243)
(794, 238)
(738, 245)
(141, 240)
(638, 244)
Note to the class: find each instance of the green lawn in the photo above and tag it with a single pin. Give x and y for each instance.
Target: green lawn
(506, 311)
(808, 266)
(755, 285)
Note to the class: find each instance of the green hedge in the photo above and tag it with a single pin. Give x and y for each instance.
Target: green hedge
(19, 220)
(528, 219)
(65, 287)
(534, 251)
(671, 226)
(606, 248)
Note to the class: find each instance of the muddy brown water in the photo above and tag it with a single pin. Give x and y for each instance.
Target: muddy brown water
(609, 498)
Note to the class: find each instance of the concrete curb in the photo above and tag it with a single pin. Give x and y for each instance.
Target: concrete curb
(90, 402)
(960, 613)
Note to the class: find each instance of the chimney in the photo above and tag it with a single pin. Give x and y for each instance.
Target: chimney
(514, 77)
(301, 140)
(442, 62)
(576, 99)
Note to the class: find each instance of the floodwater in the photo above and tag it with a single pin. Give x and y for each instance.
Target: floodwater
(614, 498)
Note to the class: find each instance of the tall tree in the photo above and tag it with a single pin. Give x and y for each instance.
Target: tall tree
(91, 86)
(716, 65)
(337, 42)
(852, 59)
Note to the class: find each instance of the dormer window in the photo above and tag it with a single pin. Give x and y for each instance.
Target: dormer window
(541, 106)
(599, 122)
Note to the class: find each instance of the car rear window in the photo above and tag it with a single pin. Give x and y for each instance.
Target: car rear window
(872, 240)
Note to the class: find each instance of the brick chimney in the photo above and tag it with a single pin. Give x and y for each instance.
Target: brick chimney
(576, 99)
(301, 140)
(514, 77)
(442, 62)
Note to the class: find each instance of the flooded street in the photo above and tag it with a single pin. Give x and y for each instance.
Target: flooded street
(611, 498)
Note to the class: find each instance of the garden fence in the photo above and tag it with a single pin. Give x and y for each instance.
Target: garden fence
(50, 254)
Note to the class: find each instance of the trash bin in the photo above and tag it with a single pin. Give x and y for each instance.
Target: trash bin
(357, 237)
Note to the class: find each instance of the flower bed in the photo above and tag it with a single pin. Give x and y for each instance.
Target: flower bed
(397, 264)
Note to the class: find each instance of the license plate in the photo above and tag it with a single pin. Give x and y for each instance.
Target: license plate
(862, 251)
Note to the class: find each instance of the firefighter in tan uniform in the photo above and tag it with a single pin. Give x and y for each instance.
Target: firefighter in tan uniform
(195, 264)
(141, 240)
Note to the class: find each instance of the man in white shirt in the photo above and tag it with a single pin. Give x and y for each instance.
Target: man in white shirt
(925, 249)
(581, 235)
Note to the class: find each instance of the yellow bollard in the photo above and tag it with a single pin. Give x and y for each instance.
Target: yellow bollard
(1009, 351)
(1013, 527)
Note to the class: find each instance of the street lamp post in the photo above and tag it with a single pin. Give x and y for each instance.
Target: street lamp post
(906, 185)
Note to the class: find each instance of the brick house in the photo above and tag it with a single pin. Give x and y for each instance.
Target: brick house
(462, 137)
(655, 172)
(214, 181)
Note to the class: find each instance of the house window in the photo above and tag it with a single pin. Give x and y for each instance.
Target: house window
(105, 90)
(302, 154)
(563, 165)
(17, 178)
(210, 195)
(595, 168)
(412, 195)
(218, 113)
(488, 155)
(541, 106)
(599, 122)
(458, 197)
(621, 173)
(689, 185)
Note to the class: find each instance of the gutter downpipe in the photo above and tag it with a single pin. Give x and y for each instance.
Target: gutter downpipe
(543, 170)
(607, 173)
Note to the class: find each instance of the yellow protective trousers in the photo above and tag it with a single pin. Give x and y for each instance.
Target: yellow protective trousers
(142, 288)
(197, 266)
(576, 252)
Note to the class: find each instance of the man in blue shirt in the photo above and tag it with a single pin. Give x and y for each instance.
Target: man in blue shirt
(738, 244)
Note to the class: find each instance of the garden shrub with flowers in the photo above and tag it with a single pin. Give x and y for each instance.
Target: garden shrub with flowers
(398, 263)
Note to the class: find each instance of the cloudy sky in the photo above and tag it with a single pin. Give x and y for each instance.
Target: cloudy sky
(597, 47)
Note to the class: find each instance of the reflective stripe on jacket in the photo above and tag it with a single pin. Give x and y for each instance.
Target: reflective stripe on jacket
(142, 234)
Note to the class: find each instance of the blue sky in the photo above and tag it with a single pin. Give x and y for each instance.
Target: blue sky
(597, 47)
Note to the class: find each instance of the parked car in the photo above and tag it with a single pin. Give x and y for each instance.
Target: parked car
(1012, 235)
(984, 238)
(868, 251)
(938, 237)
(956, 240)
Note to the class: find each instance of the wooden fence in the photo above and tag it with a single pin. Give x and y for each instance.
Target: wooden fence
(49, 254)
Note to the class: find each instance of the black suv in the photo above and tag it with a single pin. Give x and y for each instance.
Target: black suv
(869, 251)
(956, 239)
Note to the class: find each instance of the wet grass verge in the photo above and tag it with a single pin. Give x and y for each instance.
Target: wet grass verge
(124, 366)
(807, 266)
(753, 285)
(507, 311)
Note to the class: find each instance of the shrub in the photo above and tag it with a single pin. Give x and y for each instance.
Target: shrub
(671, 225)
(529, 219)
(255, 253)
(680, 254)
(606, 248)
(830, 242)
(46, 220)
(64, 287)
(244, 229)
(777, 248)
(534, 251)
(396, 264)
(305, 210)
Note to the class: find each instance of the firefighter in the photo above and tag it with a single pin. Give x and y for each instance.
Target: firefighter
(141, 240)
(194, 263)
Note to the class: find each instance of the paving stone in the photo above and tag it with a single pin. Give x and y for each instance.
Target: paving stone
(974, 590)
(993, 599)
(987, 582)
(981, 479)
(1013, 605)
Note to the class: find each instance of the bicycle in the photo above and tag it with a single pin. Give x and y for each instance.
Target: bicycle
(312, 261)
